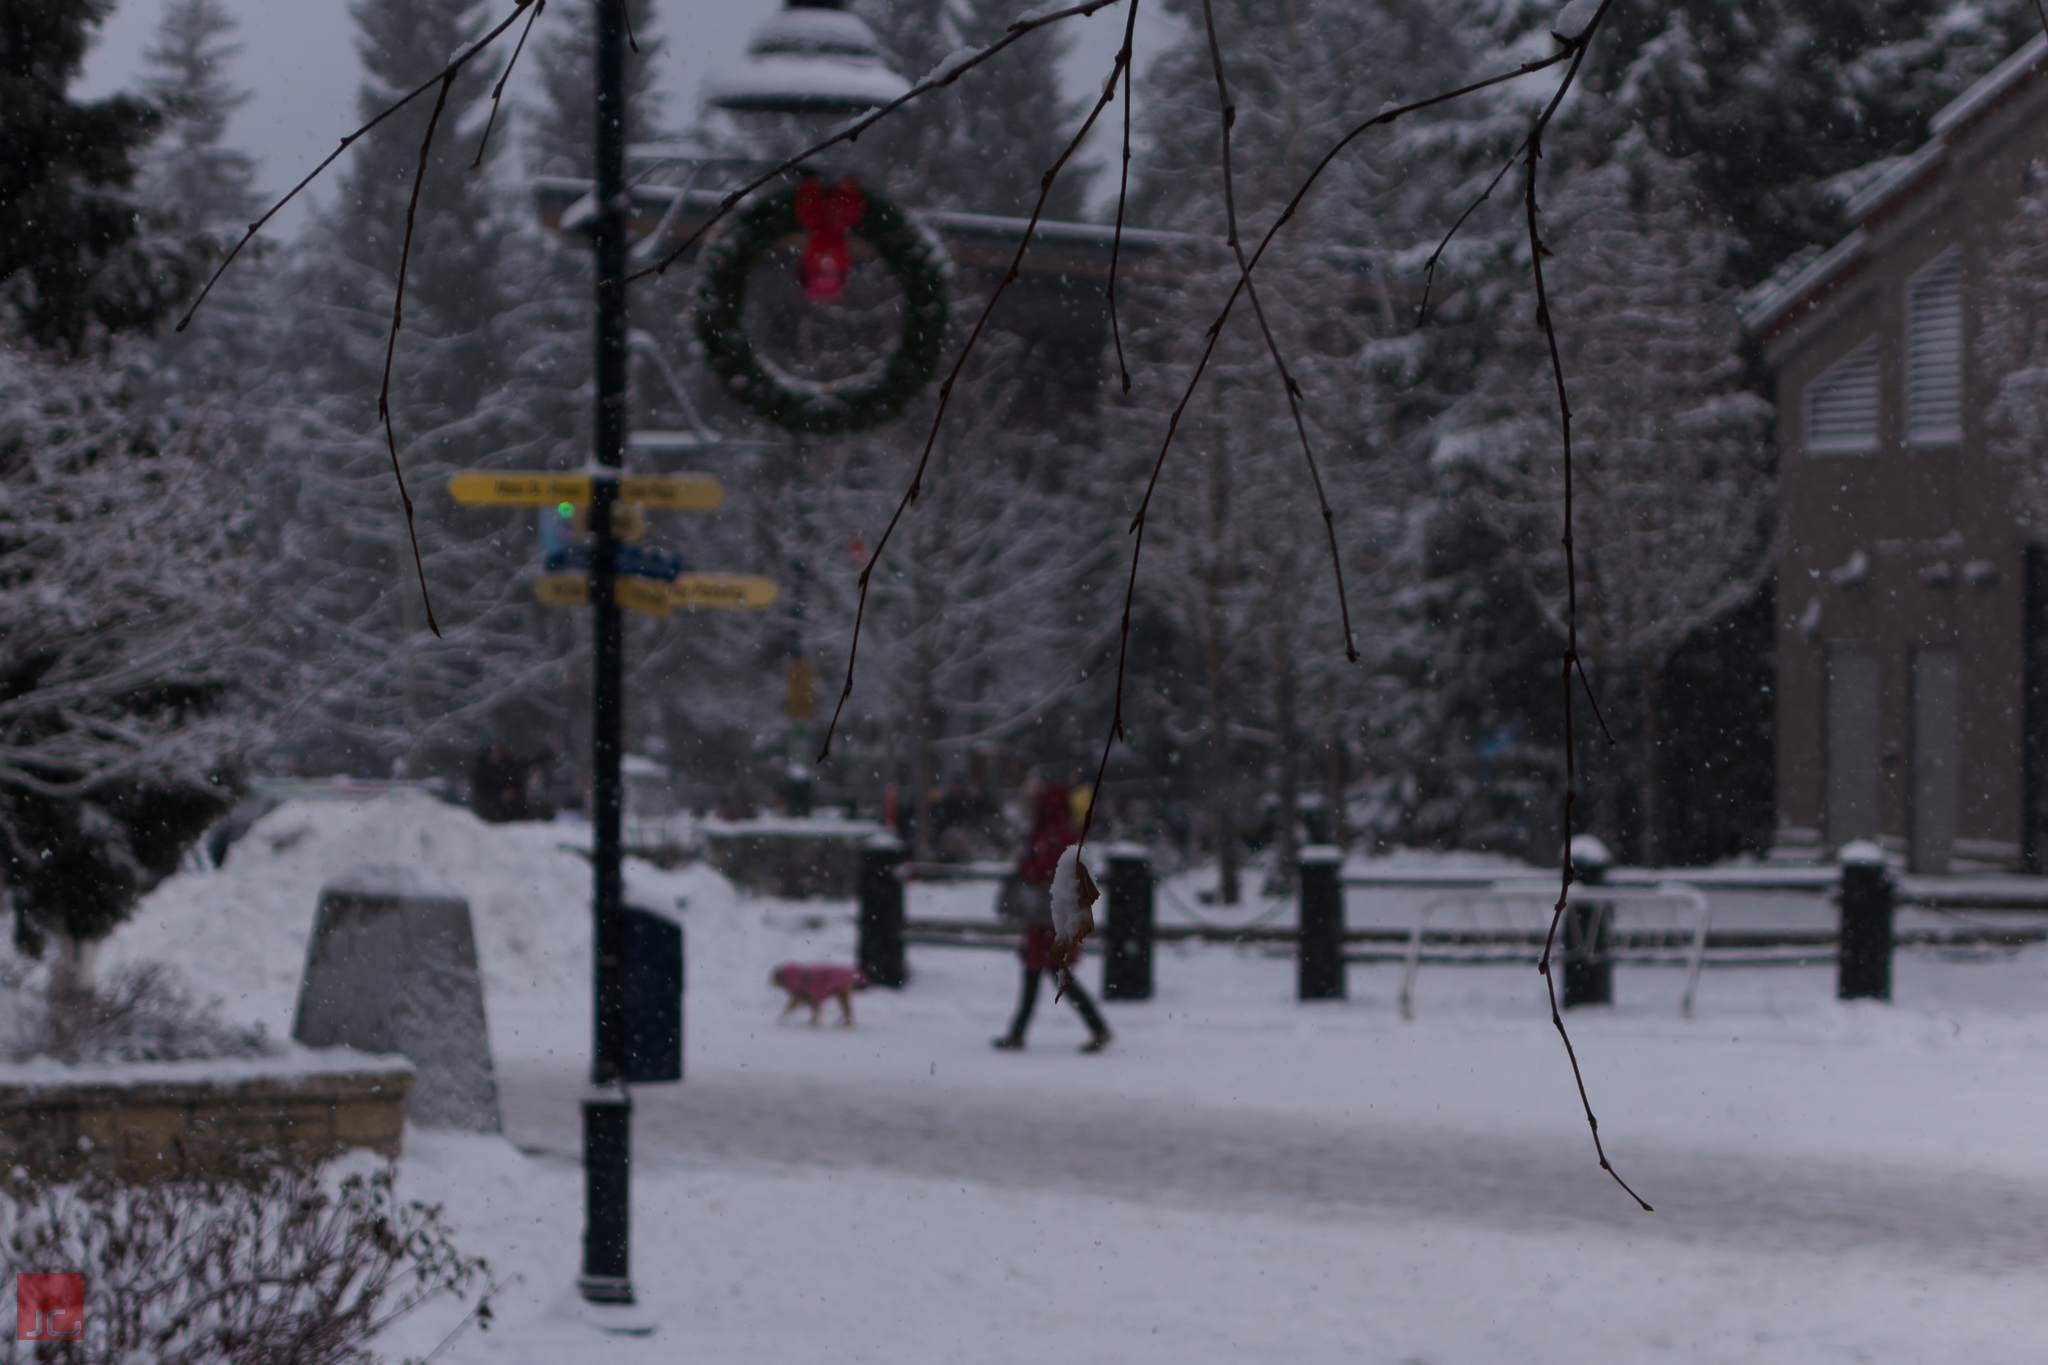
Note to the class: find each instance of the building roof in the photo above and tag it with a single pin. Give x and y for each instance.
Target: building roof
(1770, 306)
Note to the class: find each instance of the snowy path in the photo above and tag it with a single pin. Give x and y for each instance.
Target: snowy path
(1290, 1164)
(1240, 1178)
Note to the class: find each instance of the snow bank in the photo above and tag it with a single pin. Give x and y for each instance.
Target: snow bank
(241, 931)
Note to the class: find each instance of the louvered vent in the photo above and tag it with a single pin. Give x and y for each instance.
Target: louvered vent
(1934, 352)
(1841, 405)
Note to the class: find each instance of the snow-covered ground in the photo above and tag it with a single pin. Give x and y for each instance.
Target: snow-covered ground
(1240, 1177)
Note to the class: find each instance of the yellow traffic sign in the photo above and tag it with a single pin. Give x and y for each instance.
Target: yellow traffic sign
(723, 590)
(634, 594)
(675, 492)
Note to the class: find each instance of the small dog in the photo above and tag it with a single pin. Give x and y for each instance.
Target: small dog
(813, 983)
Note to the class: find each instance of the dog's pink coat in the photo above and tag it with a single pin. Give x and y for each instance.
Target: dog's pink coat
(816, 982)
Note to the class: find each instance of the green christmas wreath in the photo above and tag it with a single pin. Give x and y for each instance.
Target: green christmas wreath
(906, 247)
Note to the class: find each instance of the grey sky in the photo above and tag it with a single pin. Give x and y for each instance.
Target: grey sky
(298, 58)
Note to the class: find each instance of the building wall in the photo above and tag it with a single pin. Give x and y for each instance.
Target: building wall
(1912, 512)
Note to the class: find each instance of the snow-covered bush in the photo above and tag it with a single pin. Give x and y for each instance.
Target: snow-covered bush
(298, 1267)
(145, 1014)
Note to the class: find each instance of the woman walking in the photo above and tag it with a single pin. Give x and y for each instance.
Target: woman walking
(1028, 898)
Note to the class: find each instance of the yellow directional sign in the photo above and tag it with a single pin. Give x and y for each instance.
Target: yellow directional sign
(675, 492)
(634, 594)
(723, 590)
(563, 589)
(519, 490)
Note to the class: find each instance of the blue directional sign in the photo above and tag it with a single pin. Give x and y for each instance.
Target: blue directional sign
(634, 561)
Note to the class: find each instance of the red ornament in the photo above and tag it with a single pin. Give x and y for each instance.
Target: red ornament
(822, 272)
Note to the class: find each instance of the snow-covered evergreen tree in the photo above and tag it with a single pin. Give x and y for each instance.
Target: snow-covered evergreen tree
(2012, 342)
(76, 258)
(348, 601)
(1783, 106)
(1244, 564)
(1673, 507)
(198, 183)
(125, 676)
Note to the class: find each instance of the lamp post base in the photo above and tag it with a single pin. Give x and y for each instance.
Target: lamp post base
(613, 1319)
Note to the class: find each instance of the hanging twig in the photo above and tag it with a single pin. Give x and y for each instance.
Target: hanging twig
(518, 8)
(1123, 194)
(910, 494)
(1533, 154)
(498, 90)
(1293, 390)
(391, 345)
(1429, 266)
(1215, 332)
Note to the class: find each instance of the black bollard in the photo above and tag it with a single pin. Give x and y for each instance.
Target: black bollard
(1863, 971)
(1127, 946)
(881, 912)
(1588, 948)
(1321, 950)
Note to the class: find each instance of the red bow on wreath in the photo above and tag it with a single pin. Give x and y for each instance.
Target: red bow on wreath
(822, 272)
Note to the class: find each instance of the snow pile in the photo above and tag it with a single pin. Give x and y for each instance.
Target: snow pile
(241, 931)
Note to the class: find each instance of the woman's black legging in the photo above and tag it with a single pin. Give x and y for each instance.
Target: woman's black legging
(1029, 1001)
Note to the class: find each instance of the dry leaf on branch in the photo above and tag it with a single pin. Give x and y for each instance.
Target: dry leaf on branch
(1073, 913)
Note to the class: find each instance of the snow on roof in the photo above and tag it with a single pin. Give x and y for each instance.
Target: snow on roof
(819, 60)
(821, 84)
(1764, 307)
(815, 32)
(1980, 96)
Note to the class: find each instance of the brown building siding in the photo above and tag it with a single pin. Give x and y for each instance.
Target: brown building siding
(1909, 556)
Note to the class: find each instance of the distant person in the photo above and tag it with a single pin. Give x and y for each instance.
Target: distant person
(1027, 898)
(497, 785)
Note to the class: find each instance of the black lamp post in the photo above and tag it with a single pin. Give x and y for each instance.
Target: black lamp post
(607, 1108)
(813, 59)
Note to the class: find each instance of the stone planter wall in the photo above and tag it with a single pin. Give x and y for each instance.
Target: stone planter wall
(794, 859)
(167, 1120)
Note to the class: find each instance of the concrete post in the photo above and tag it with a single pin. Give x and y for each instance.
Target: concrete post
(1863, 970)
(1321, 952)
(1588, 965)
(1127, 947)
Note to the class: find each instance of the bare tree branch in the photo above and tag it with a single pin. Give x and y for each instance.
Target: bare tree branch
(453, 67)
(1123, 194)
(946, 389)
(1293, 390)
(498, 90)
(391, 346)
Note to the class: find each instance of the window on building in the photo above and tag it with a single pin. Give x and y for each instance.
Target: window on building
(1934, 352)
(1841, 405)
